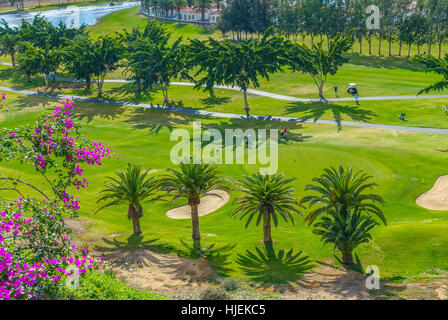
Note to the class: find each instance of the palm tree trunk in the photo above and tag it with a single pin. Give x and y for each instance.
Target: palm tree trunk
(13, 59)
(347, 257)
(267, 240)
(195, 222)
(135, 216)
(196, 236)
(136, 225)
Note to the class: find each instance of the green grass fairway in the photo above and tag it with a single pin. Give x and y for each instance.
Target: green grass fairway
(403, 164)
(420, 112)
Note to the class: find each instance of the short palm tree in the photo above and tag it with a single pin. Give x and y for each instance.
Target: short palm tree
(132, 187)
(346, 232)
(266, 197)
(192, 181)
(341, 188)
(9, 44)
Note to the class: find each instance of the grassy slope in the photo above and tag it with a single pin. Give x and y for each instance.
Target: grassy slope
(404, 164)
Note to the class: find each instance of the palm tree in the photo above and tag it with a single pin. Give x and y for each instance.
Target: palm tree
(266, 197)
(346, 232)
(192, 181)
(132, 187)
(341, 188)
(8, 46)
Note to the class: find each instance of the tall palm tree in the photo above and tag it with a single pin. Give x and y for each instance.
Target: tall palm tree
(266, 197)
(192, 181)
(9, 45)
(346, 232)
(341, 188)
(132, 187)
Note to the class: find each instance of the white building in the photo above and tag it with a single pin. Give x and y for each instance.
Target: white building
(186, 14)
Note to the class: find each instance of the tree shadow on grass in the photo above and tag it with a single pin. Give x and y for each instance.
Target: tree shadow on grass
(266, 265)
(217, 256)
(386, 62)
(315, 110)
(133, 243)
(156, 120)
(210, 102)
(18, 78)
(245, 124)
(30, 101)
(87, 111)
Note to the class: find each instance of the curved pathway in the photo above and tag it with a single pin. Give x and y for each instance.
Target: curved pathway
(225, 115)
(274, 95)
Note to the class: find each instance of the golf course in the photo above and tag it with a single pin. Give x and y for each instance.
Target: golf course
(404, 163)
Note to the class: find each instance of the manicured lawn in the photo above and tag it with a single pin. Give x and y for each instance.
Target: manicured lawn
(419, 112)
(403, 164)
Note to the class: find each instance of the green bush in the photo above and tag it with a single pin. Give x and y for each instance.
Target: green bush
(229, 284)
(105, 286)
(214, 293)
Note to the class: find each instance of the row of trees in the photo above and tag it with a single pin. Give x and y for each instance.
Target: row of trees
(340, 208)
(427, 23)
(150, 59)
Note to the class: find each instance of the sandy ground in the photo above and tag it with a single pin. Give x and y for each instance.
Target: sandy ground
(182, 278)
(437, 197)
(214, 200)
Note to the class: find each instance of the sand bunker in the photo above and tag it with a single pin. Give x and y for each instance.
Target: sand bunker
(214, 200)
(437, 197)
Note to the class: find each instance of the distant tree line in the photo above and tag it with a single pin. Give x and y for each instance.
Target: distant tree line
(423, 25)
(150, 59)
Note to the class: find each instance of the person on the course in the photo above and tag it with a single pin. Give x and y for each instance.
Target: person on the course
(284, 133)
(336, 91)
(402, 116)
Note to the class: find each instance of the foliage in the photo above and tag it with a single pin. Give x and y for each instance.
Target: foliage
(151, 61)
(105, 286)
(191, 181)
(318, 62)
(342, 190)
(266, 197)
(245, 62)
(229, 284)
(345, 232)
(132, 187)
(35, 245)
(214, 293)
(438, 66)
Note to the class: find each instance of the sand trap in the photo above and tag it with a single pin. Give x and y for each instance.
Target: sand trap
(214, 200)
(437, 197)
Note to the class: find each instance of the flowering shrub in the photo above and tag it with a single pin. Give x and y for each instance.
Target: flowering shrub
(35, 245)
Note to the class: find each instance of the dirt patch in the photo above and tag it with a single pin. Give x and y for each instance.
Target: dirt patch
(211, 202)
(328, 283)
(437, 197)
(78, 226)
(163, 273)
